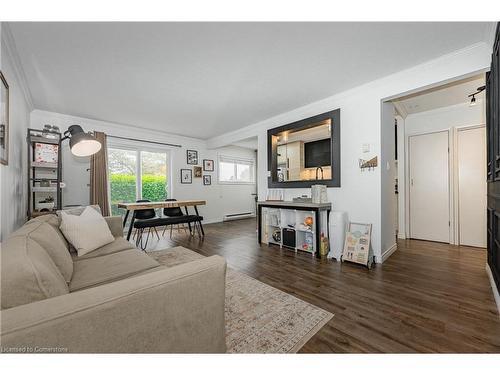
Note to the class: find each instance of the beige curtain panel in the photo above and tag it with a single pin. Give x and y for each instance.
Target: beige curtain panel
(99, 176)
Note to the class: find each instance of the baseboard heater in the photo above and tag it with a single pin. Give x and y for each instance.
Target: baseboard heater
(242, 215)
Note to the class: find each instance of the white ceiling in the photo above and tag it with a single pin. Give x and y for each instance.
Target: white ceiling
(443, 96)
(205, 79)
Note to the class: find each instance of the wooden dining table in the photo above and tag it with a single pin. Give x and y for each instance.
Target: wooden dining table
(162, 204)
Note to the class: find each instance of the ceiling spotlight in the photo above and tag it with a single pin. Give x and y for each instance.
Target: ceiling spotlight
(472, 101)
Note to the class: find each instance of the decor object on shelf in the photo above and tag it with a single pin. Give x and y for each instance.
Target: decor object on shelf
(308, 222)
(368, 164)
(81, 143)
(277, 235)
(275, 195)
(308, 242)
(4, 120)
(207, 180)
(192, 157)
(303, 199)
(319, 194)
(44, 183)
(50, 131)
(186, 176)
(197, 172)
(208, 165)
(357, 244)
(46, 153)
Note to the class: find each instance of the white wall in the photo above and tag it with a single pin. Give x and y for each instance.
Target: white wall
(360, 192)
(13, 176)
(447, 118)
(221, 198)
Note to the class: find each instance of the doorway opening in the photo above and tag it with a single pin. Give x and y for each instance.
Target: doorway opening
(441, 164)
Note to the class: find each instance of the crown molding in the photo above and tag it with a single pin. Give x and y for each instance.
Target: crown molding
(400, 108)
(489, 34)
(11, 50)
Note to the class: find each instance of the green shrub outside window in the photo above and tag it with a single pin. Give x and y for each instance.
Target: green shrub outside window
(123, 189)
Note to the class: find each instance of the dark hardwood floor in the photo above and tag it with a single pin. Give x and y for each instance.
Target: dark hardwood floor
(427, 297)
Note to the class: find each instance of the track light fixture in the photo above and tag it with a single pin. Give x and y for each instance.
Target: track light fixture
(473, 95)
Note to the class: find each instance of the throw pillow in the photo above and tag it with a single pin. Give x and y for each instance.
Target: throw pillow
(86, 232)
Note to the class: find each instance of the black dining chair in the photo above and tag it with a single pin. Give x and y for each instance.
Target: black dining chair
(144, 219)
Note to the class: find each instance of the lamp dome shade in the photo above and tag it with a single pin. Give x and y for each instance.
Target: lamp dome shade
(81, 143)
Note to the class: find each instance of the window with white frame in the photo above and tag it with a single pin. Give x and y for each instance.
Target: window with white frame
(137, 173)
(236, 170)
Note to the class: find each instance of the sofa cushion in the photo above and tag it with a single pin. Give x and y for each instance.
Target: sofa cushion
(119, 244)
(28, 274)
(86, 232)
(107, 268)
(54, 221)
(51, 219)
(50, 238)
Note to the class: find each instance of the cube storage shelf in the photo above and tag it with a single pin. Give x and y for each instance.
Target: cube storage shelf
(294, 226)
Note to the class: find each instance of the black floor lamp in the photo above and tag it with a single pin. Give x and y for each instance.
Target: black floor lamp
(81, 143)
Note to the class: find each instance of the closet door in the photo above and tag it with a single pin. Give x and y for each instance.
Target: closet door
(429, 187)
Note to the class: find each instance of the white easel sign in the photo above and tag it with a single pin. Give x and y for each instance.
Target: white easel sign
(357, 244)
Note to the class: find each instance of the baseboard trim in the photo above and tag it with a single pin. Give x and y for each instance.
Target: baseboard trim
(386, 254)
(493, 286)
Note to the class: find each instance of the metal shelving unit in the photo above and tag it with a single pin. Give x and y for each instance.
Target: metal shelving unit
(40, 172)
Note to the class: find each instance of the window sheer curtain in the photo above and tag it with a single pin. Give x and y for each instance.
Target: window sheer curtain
(99, 176)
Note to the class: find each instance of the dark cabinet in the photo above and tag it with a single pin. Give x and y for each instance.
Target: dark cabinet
(493, 162)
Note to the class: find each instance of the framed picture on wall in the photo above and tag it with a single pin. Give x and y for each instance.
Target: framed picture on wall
(4, 120)
(192, 157)
(186, 176)
(208, 165)
(207, 179)
(197, 172)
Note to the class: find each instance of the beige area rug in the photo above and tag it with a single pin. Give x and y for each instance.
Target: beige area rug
(259, 318)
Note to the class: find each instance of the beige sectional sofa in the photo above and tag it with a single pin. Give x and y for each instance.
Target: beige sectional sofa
(114, 299)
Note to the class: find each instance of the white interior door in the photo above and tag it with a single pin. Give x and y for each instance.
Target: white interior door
(472, 186)
(429, 187)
